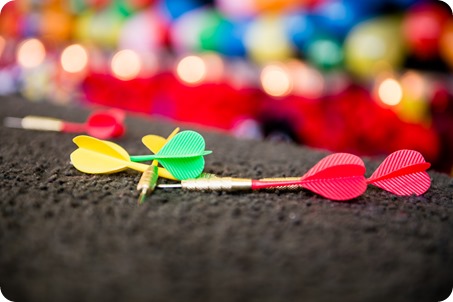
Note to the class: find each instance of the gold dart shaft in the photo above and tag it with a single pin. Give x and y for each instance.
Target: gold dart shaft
(147, 182)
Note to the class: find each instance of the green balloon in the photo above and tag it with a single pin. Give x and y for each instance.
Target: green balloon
(326, 53)
(209, 33)
(77, 6)
(123, 7)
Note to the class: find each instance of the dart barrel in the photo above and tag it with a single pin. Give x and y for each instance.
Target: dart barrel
(217, 184)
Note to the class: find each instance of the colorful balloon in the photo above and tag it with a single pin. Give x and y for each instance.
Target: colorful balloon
(224, 36)
(56, 25)
(325, 52)
(277, 6)
(374, 46)
(102, 28)
(265, 40)
(446, 43)
(236, 8)
(174, 9)
(422, 28)
(130, 7)
(300, 28)
(337, 17)
(143, 32)
(185, 32)
(11, 20)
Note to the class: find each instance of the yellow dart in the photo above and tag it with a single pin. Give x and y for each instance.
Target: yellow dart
(96, 156)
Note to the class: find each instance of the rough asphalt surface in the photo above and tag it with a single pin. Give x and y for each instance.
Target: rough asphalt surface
(68, 236)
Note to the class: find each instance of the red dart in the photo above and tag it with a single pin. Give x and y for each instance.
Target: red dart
(337, 177)
(101, 124)
(402, 173)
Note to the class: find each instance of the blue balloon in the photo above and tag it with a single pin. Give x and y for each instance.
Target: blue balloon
(338, 17)
(176, 8)
(405, 3)
(299, 28)
(230, 42)
(30, 26)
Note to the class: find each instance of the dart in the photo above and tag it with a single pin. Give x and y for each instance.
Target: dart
(100, 124)
(337, 177)
(402, 173)
(182, 155)
(96, 156)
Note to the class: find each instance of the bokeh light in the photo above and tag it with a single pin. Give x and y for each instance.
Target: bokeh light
(307, 81)
(214, 67)
(191, 70)
(31, 53)
(74, 58)
(390, 92)
(413, 84)
(276, 80)
(126, 64)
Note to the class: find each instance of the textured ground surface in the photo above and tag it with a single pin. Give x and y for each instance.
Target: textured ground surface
(67, 236)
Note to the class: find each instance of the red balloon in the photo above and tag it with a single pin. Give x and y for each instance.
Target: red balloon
(11, 20)
(423, 27)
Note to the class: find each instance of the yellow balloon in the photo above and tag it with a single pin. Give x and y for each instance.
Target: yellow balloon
(82, 26)
(374, 46)
(265, 40)
(102, 28)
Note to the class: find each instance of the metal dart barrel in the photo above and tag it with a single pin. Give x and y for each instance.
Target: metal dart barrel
(212, 184)
(235, 184)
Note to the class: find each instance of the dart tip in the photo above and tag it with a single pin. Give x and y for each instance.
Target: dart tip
(142, 197)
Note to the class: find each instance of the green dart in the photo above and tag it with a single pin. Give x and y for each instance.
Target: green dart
(182, 156)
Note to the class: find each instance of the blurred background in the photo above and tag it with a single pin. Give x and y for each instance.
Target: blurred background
(365, 77)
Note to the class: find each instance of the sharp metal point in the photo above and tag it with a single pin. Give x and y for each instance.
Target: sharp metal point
(142, 196)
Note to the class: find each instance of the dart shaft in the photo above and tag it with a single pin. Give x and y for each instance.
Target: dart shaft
(277, 183)
(73, 127)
